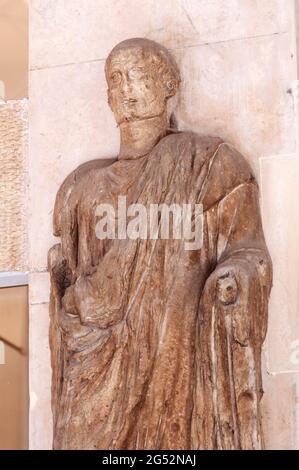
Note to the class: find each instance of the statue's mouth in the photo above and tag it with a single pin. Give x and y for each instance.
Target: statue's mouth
(128, 101)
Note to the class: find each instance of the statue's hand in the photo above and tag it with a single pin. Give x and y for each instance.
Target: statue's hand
(68, 301)
(227, 289)
(223, 282)
(61, 275)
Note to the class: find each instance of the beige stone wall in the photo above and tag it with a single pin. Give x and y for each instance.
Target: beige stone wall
(239, 65)
(13, 185)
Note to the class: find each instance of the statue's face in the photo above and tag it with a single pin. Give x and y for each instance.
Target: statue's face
(135, 89)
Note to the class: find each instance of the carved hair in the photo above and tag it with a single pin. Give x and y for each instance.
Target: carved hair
(161, 59)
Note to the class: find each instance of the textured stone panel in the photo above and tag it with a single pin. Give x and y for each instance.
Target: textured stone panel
(13, 185)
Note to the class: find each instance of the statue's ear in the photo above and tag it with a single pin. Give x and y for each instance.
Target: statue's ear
(172, 86)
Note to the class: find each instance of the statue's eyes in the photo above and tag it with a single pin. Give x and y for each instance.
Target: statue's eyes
(115, 78)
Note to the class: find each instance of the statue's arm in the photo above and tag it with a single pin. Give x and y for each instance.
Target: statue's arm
(62, 257)
(233, 319)
(100, 298)
(65, 223)
(242, 277)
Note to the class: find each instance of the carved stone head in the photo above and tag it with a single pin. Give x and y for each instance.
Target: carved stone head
(141, 76)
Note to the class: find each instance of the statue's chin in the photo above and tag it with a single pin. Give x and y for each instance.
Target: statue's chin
(126, 119)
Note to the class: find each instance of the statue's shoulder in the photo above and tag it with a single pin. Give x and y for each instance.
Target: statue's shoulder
(223, 157)
(71, 188)
(201, 147)
(225, 167)
(231, 165)
(203, 143)
(228, 169)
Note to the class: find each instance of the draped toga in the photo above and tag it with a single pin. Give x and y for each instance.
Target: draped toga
(153, 359)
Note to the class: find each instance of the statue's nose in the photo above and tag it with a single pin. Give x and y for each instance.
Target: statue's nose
(126, 84)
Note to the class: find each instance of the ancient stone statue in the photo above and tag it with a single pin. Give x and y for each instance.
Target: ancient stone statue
(155, 346)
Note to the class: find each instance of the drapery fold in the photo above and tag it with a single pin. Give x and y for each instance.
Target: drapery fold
(150, 357)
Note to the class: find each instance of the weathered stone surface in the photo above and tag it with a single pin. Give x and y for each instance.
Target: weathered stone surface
(155, 346)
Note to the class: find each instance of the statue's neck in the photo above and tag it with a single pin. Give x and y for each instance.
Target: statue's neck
(137, 138)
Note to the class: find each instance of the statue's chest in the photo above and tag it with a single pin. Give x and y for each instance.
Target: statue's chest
(125, 190)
